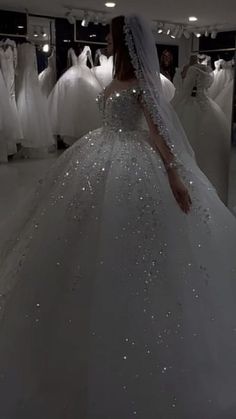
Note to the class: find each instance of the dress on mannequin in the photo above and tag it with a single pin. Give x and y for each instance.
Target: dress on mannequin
(7, 127)
(114, 303)
(206, 127)
(8, 64)
(168, 88)
(104, 71)
(225, 101)
(48, 77)
(72, 103)
(223, 74)
(31, 103)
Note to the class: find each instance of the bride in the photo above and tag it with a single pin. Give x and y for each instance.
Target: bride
(118, 294)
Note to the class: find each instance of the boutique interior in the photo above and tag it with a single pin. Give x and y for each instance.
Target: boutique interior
(65, 50)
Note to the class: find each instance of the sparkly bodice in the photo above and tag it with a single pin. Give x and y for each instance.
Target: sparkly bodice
(121, 111)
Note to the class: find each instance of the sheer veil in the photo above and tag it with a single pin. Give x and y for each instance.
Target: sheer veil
(143, 52)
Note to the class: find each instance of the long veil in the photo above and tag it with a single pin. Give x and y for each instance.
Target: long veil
(143, 53)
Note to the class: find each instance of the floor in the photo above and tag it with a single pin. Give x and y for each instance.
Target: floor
(18, 178)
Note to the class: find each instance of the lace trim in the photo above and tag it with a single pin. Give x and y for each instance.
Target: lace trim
(147, 98)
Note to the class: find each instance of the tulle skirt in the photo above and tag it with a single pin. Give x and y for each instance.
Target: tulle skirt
(33, 112)
(72, 103)
(114, 303)
(209, 135)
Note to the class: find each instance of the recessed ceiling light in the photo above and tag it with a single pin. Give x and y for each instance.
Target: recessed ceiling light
(192, 19)
(20, 27)
(110, 4)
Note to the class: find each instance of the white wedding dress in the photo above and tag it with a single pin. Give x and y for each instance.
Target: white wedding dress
(104, 71)
(223, 74)
(114, 303)
(7, 65)
(72, 103)
(48, 77)
(206, 126)
(32, 105)
(225, 101)
(7, 127)
(168, 88)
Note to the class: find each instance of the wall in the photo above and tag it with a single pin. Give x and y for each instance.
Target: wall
(183, 44)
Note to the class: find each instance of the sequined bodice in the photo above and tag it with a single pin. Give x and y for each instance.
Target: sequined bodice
(121, 111)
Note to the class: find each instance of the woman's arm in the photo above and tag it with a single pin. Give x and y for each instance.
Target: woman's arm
(178, 188)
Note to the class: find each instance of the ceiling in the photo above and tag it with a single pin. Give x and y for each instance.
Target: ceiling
(209, 12)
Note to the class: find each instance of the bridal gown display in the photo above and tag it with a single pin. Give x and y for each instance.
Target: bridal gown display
(114, 303)
(7, 127)
(8, 63)
(225, 101)
(32, 105)
(168, 88)
(104, 71)
(72, 103)
(206, 127)
(223, 74)
(48, 77)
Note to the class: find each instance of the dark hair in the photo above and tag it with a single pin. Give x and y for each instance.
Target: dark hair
(123, 68)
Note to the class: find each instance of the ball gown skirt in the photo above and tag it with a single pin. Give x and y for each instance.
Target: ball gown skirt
(114, 303)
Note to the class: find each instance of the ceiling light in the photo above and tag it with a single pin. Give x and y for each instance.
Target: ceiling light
(110, 4)
(213, 35)
(160, 27)
(96, 20)
(168, 31)
(71, 19)
(36, 35)
(175, 32)
(66, 40)
(43, 33)
(187, 34)
(46, 48)
(198, 34)
(93, 35)
(104, 20)
(20, 27)
(180, 33)
(192, 19)
(86, 20)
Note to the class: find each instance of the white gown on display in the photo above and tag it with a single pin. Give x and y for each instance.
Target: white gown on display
(223, 74)
(205, 126)
(31, 103)
(115, 303)
(48, 77)
(72, 103)
(104, 71)
(168, 88)
(8, 62)
(225, 101)
(7, 127)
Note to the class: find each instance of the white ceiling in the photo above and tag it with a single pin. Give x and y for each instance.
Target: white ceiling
(209, 12)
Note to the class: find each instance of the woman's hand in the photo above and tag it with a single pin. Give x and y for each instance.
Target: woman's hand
(180, 191)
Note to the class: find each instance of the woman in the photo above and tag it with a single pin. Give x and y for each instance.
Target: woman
(122, 302)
